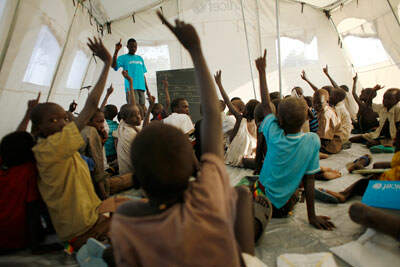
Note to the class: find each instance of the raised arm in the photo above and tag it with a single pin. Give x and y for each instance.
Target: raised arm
(25, 121)
(356, 98)
(320, 222)
(93, 99)
(211, 130)
(118, 46)
(325, 70)
(261, 64)
(152, 100)
(167, 97)
(225, 96)
(110, 90)
(131, 97)
(304, 77)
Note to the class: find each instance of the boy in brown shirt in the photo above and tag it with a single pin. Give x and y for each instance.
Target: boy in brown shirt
(184, 223)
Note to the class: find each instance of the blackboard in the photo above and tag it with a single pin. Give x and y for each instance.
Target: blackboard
(181, 83)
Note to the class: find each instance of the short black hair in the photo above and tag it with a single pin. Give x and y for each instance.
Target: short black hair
(110, 111)
(131, 40)
(236, 98)
(95, 114)
(163, 160)
(292, 114)
(309, 101)
(16, 149)
(249, 109)
(344, 87)
(275, 95)
(175, 103)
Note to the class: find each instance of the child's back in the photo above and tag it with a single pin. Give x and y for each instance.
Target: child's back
(289, 158)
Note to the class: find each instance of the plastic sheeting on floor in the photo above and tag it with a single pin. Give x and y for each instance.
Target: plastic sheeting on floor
(289, 235)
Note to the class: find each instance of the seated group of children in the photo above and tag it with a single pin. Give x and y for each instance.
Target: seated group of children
(188, 213)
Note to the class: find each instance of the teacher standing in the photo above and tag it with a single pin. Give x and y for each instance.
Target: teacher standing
(136, 68)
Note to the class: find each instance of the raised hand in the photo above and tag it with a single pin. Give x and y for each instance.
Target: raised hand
(165, 82)
(355, 78)
(118, 45)
(325, 70)
(34, 102)
(378, 87)
(99, 50)
(110, 90)
(151, 99)
(185, 33)
(261, 62)
(126, 75)
(303, 75)
(217, 77)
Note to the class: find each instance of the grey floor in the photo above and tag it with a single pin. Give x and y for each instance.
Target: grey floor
(289, 235)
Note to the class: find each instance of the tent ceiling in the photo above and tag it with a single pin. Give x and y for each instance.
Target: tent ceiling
(107, 10)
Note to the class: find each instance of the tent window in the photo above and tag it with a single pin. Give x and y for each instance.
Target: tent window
(365, 51)
(44, 59)
(78, 69)
(297, 53)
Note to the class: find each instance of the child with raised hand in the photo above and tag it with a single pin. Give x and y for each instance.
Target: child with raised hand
(348, 102)
(160, 112)
(130, 125)
(65, 182)
(292, 158)
(170, 228)
(367, 118)
(243, 137)
(389, 119)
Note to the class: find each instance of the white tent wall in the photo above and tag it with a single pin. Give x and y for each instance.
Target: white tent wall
(380, 23)
(309, 41)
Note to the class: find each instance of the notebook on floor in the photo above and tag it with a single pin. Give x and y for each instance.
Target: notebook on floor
(382, 194)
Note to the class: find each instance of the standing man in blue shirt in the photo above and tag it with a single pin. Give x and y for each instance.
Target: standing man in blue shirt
(134, 64)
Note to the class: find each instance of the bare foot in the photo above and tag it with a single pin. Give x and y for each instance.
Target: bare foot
(359, 163)
(332, 174)
(323, 155)
(337, 195)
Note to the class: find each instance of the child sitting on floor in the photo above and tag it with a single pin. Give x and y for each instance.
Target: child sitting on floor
(130, 125)
(169, 229)
(329, 127)
(159, 112)
(367, 118)
(389, 117)
(292, 158)
(65, 184)
(243, 139)
(110, 112)
(20, 201)
(180, 116)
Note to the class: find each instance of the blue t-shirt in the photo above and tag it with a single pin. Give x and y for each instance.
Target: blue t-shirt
(134, 64)
(289, 158)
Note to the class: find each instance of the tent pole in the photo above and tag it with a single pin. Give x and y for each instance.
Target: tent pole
(61, 56)
(278, 37)
(259, 26)
(9, 35)
(248, 49)
(394, 13)
(84, 77)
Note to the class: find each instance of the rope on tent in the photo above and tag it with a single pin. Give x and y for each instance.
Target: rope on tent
(394, 12)
(61, 56)
(340, 39)
(248, 49)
